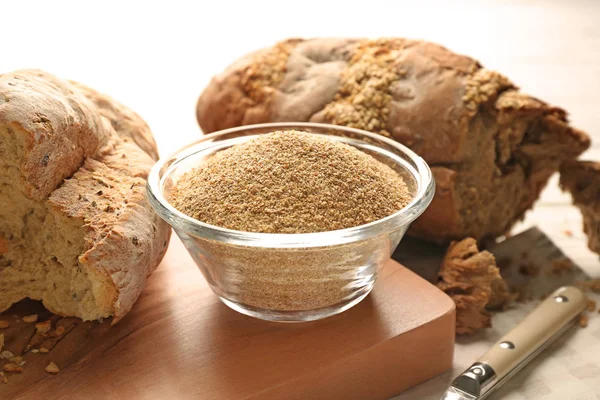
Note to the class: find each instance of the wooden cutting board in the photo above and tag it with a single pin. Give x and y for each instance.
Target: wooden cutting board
(180, 342)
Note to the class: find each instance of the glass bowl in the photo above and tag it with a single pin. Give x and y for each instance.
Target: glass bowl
(291, 277)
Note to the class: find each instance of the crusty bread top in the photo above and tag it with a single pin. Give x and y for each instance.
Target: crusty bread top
(417, 92)
(87, 157)
(126, 123)
(62, 127)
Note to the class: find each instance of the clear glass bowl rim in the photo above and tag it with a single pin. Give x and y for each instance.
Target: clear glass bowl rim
(179, 221)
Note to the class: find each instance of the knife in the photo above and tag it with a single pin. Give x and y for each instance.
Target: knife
(553, 317)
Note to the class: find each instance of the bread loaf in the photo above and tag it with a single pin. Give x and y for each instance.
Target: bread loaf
(582, 180)
(76, 231)
(491, 148)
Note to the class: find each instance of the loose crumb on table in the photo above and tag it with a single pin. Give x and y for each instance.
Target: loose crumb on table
(591, 305)
(52, 368)
(44, 327)
(12, 367)
(583, 320)
(30, 318)
(568, 233)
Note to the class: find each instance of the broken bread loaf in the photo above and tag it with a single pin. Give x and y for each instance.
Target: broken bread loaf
(582, 180)
(76, 231)
(491, 148)
(472, 279)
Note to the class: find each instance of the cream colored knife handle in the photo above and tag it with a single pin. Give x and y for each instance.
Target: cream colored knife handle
(544, 323)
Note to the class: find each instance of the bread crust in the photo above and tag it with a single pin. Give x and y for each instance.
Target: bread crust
(124, 121)
(491, 148)
(87, 158)
(49, 114)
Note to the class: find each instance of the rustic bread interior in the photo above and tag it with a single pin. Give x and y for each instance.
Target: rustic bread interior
(76, 231)
(582, 180)
(491, 147)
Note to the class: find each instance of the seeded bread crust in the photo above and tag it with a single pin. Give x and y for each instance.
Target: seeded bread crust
(582, 180)
(77, 222)
(490, 147)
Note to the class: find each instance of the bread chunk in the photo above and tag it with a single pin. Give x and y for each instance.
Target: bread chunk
(76, 231)
(582, 180)
(472, 279)
(491, 148)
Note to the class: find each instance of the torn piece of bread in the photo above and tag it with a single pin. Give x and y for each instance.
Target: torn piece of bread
(472, 279)
(76, 231)
(582, 180)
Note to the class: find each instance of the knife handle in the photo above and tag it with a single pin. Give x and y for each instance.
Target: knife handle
(519, 345)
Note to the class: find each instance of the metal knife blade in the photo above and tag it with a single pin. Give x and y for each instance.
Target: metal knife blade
(454, 394)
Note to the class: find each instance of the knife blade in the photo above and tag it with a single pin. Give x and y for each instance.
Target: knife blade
(553, 317)
(455, 394)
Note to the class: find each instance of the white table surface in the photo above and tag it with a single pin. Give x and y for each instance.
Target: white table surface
(156, 58)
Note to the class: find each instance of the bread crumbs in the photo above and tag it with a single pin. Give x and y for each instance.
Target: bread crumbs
(44, 327)
(30, 318)
(290, 182)
(583, 320)
(12, 367)
(52, 368)
(16, 359)
(6, 355)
